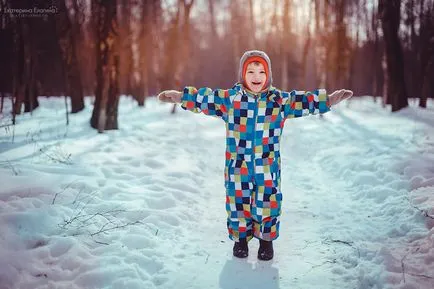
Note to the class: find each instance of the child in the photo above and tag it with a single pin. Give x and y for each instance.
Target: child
(254, 113)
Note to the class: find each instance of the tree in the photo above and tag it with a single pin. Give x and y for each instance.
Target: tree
(68, 46)
(104, 115)
(126, 63)
(426, 51)
(184, 67)
(25, 62)
(285, 43)
(390, 13)
(144, 43)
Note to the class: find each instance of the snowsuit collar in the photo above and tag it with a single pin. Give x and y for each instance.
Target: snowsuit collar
(270, 92)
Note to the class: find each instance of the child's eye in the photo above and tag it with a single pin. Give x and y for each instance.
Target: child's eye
(262, 72)
(249, 71)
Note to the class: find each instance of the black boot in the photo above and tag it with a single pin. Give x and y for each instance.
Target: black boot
(241, 250)
(265, 251)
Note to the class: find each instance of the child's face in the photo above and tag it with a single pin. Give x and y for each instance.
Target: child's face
(255, 76)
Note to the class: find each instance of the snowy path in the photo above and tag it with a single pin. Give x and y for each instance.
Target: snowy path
(347, 182)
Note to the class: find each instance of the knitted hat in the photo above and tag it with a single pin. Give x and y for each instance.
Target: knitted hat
(255, 56)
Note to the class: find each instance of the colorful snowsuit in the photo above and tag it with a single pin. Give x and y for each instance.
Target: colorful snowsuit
(254, 124)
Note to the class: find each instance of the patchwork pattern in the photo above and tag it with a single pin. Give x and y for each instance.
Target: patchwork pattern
(254, 124)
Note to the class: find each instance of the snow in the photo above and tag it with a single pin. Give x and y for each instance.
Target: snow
(143, 206)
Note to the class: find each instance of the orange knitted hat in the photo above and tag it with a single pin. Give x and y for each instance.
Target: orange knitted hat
(255, 56)
(256, 59)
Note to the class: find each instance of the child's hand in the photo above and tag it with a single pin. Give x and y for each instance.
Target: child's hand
(339, 95)
(171, 96)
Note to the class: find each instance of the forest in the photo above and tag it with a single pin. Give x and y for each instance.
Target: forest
(108, 48)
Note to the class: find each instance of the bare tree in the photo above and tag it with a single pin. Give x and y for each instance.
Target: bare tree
(285, 43)
(376, 51)
(306, 48)
(104, 115)
(126, 63)
(68, 46)
(170, 61)
(235, 26)
(24, 91)
(143, 44)
(252, 26)
(390, 11)
(186, 67)
(426, 50)
(341, 47)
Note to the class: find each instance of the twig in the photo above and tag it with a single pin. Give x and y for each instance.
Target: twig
(307, 243)
(103, 230)
(102, 243)
(90, 195)
(12, 167)
(424, 212)
(319, 265)
(342, 242)
(419, 275)
(101, 214)
(66, 161)
(349, 243)
(411, 274)
(78, 216)
(64, 189)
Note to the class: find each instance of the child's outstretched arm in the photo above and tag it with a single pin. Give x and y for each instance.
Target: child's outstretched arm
(210, 102)
(301, 103)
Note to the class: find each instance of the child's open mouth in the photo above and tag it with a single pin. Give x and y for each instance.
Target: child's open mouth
(256, 83)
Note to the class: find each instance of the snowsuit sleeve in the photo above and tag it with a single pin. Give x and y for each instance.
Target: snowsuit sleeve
(207, 101)
(300, 103)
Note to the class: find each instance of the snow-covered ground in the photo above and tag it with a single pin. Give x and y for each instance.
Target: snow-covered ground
(143, 207)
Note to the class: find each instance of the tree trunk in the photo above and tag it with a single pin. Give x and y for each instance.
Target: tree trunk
(376, 56)
(126, 64)
(30, 63)
(426, 51)
(171, 59)
(415, 85)
(155, 45)
(68, 47)
(24, 91)
(327, 66)
(235, 26)
(2, 101)
(113, 92)
(213, 25)
(390, 18)
(143, 54)
(385, 88)
(252, 37)
(306, 48)
(427, 83)
(19, 68)
(317, 43)
(284, 44)
(186, 68)
(104, 115)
